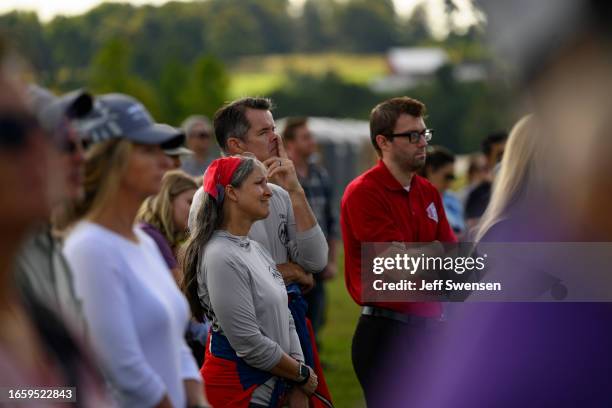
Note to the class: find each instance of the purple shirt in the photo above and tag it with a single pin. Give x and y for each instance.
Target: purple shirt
(162, 244)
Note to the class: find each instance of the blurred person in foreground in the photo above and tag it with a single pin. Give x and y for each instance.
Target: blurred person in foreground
(541, 354)
(290, 233)
(301, 148)
(41, 267)
(36, 348)
(136, 314)
(439, 169)
(391, 203)
(233, 281)
(198, 134)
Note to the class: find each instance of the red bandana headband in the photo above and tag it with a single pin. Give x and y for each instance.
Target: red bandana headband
(219, 174)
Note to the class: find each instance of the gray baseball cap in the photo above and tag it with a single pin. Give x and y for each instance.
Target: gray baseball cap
(51, 110)
(121, 116)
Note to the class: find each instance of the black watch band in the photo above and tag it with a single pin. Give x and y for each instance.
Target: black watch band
(303, 374)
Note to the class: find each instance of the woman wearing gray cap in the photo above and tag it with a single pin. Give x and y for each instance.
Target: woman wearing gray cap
(136, 314)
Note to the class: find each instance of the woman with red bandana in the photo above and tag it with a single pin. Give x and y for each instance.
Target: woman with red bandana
(253, 358)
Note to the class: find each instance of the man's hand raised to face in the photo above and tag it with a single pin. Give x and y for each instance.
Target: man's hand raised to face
(281, 170)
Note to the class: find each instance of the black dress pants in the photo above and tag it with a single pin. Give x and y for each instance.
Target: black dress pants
(379, 345)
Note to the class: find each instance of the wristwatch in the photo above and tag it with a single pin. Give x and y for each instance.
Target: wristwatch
(303, 374)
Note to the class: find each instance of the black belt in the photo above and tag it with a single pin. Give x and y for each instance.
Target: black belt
(412, 320)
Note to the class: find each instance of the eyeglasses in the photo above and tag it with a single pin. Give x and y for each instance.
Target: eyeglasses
(449, 177)
(414, 136)
(15, 128)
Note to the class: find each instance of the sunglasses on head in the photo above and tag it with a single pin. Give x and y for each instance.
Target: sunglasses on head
(16, 128)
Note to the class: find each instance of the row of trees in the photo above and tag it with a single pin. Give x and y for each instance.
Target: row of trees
(174, 57)
(182, 32)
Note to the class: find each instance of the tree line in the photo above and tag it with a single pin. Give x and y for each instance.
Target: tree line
(174, 57)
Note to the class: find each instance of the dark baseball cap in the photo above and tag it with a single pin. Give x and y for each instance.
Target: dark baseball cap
(117, 115)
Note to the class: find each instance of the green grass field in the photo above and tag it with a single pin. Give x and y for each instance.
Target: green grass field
(259, 75)
(342, 315)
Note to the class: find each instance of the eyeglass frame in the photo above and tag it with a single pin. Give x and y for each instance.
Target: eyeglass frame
(424, 133)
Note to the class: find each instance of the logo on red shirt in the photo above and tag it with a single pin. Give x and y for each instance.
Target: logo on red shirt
(431, 212)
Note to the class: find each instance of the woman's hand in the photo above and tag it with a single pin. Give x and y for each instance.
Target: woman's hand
(312, 383)
(306, 281)
(293, 272)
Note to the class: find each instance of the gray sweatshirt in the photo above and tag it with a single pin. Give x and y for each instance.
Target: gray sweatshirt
(244, 297)
(278, 233)
(42, 271)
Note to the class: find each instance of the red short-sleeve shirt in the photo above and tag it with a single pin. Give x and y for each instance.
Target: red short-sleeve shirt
(377, 208)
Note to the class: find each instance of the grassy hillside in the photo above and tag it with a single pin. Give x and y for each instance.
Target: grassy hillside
(261, 74)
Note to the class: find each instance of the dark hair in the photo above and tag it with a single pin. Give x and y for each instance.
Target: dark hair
(438, 157)
(474, 165)
(209, 219)
(291, 125)
(231, 121)
(491, 139)
(384, 115)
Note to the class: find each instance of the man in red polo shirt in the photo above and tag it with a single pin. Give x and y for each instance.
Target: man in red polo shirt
(391, 203)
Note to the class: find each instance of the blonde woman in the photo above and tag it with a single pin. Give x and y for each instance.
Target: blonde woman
(517, 178)
(164, 216)
(135, 312)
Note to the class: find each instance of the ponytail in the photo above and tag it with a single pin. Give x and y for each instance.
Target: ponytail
(209, 218)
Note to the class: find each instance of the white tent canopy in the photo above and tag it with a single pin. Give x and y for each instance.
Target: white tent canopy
(336, 130)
